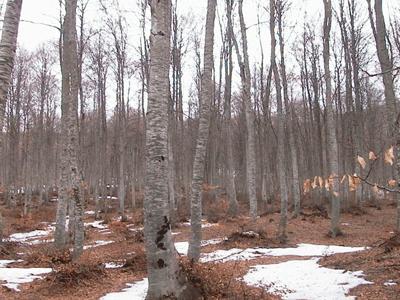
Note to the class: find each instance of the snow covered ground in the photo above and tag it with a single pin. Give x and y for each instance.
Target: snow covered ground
(300, 250)
(294, 279)
(15, 276)
(304, 279)
(182, 247)
(97, 244)
(31, 238)
(134, 291)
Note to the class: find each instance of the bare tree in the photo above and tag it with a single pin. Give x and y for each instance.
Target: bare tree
(202, 138)
(330, 123)
(70, 176)
(8, 46)
(161, 256)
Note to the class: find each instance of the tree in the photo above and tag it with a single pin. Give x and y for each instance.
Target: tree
(202, 138)
(386, 64)
(245, 77)
(228, 68)
(161, 255)
(8, 46)
(70, 176)
(330, 123)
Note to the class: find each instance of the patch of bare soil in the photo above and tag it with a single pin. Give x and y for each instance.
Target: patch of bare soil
(219, 281)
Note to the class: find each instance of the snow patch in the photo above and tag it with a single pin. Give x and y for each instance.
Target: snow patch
(113, 265)
(97, 244)
(15, 276)
(389, 283)
(90, 212)
(134, 291)
(96, 224)
(304, 279)
(183, 247)
(300, 250)
(32, 237)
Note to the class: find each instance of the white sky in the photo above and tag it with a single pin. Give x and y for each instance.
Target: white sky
(47, 11)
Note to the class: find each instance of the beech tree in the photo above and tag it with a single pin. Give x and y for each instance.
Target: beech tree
(330, 123)
(8, 46)
(162, 264)
(204, 123)
(70, 176)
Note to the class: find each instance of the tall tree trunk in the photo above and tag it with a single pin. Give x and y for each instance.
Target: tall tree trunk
(8, 46)
(330, 123)
(245, 77)
(207, 88)
(379, 30)
(281, 129)
(230, 176)
(290, 114)
(70, 176)
(162, 265)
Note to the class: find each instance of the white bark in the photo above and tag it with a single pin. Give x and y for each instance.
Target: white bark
(202, 138)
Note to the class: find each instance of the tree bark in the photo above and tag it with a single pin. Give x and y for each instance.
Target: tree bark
(330, 123)
(8, 46)
(207, 88)
(281, 130)
(161, 256)
(70, 176)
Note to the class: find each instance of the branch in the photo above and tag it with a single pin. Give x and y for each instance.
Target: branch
(384, 188)
(381, 73)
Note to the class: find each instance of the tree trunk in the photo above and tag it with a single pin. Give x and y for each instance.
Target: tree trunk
(386, 64)
(8, 46)
(330, 123)
(281, 130)
(207, 88)
(230, 176)
(245, 77)
(70, 176)
(162, 265)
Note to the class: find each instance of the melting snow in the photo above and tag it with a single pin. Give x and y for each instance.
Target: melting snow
(301, 250)
(32, 237)
(96, 224)
(113, 265)
(15, 276)
(390, 283)
(97, 244)
(304, 279)
(135, 291)
(183, 247)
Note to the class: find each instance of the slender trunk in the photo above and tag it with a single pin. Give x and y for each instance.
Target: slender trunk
(330, 123)
(230, 176)
(281, 129)
(8, 46)
(206, 95)
(289, 111)
(245, 77)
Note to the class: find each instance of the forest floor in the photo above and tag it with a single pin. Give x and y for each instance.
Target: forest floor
(240, 260)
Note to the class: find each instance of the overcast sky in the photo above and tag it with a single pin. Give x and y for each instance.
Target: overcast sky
(47, 11)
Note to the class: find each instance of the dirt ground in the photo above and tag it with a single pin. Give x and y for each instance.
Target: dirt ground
(89, 279)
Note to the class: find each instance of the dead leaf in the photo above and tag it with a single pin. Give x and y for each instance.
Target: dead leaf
(392, 183)
(321, 182)
(361, 161)
(389, 156)
(372, 156)
(307, 186)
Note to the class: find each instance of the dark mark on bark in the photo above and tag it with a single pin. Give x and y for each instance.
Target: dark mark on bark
(161, 264)
(161, 233)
